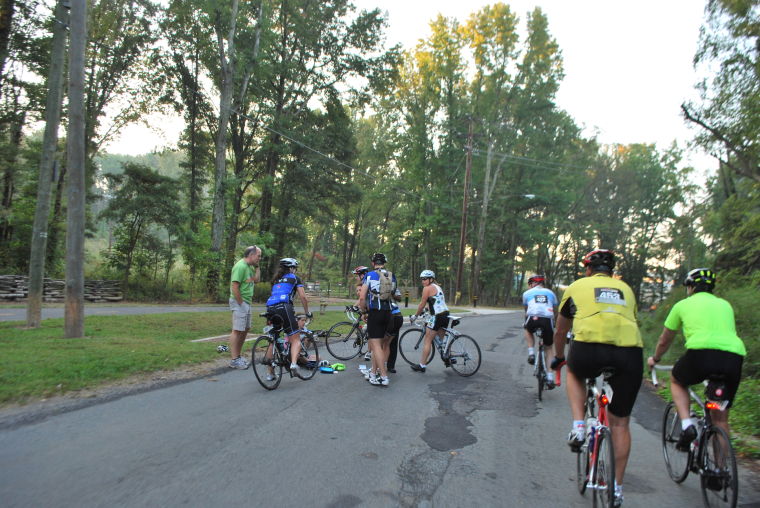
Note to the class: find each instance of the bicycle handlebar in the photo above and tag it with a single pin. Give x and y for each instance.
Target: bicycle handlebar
(654, 372)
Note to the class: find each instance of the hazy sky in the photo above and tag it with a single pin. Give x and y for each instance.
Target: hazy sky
(628, 64)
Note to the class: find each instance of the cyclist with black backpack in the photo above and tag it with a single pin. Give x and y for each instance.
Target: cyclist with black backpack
(375, 299)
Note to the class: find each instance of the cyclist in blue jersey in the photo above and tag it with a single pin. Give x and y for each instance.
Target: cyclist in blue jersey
(540, 311)
(285, 285)
(375, 299)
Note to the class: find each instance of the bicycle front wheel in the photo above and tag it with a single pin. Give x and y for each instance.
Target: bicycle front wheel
(410, 346)
(718, 478)
(464, 355)
(268, 373)
(677, 462)
(308, 358)
(604, 470)
(344, 341)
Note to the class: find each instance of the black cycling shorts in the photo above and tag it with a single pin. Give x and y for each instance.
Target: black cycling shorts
(441, 320)
(394, 325)
(587, 359)
(545, 324)
(699, 364)
(288, 316)
(377, 323)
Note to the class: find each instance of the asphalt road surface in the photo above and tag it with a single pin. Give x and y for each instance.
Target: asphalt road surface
(427, 440)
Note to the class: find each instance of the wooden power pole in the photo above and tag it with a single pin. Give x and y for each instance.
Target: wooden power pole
(463, 229)
(74, 298)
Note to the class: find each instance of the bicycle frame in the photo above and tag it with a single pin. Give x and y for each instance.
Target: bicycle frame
(600, 398)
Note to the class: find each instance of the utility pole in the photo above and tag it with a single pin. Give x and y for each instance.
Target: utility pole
(463, 230)
(74, 296)
(47, 162)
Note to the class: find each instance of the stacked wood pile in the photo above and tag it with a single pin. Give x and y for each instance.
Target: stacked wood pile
(13, 287)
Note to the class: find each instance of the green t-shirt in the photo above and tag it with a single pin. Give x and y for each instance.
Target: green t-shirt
(241, 272)
(708, 323)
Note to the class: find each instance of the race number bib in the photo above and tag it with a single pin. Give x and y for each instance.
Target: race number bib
(609, 295)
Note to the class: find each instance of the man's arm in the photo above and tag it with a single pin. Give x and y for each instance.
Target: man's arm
(564, 324)
(666, 338)
(235, 286)
(363, 297)
(256, 276)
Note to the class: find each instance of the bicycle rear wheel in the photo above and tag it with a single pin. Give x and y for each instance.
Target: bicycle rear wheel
(718, 478)
(308, 358)
(540, 372)
(410, 346)
(604, 470)
(464, 355)
(677, 462)
(343, 340)
(263, 364)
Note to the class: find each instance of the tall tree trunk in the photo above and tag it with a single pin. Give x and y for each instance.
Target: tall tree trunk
(15, 135)
(74, 302)
(47, 160)
(6, 24)
(227, 69)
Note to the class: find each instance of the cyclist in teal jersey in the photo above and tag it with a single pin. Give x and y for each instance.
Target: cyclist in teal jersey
(712, 349)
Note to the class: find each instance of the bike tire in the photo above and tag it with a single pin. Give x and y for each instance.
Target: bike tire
(582, 468)
(308, 353)
(718, 478)
(464, 354)
(604, 470)
(540, 372)
(263, 366)
(676, 462)
(343, 340)
(410, 346)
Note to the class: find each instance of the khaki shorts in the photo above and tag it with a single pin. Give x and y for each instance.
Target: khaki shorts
(241, 315)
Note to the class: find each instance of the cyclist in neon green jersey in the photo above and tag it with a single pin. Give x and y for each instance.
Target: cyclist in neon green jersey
(712, 348)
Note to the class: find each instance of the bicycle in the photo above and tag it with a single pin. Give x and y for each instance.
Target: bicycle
(346, 340)
(539, 368)
(595, 461)
(270, 354)
(458, 351)
(710, 455)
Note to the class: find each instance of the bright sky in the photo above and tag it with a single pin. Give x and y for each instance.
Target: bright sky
(628, 64)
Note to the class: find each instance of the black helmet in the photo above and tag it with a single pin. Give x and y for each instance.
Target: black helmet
(288, 262)
(379, 258)
(701, 278)
(600, 260)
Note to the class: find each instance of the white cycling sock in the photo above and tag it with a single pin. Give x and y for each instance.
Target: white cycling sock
(688, 422)
(531, 351)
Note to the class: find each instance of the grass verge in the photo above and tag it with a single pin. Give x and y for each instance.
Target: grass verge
(39, 363)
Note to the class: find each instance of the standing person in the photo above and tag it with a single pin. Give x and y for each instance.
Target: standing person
(360, 272)
(242, 279)
(432, 295)
(391, 343)
(375, 299)
(285, 285)
(602, 313)
(540, 311)
(712, 348)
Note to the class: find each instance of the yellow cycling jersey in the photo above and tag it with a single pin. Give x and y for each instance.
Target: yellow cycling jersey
(603, 310)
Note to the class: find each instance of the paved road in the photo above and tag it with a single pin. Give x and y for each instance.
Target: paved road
(428, 440)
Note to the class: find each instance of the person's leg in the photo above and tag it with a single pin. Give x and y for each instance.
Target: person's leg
(427, 344)
(680, 396)
(392, 352)
(295, 346)
(380, 352)
(576, 395)
(621, 443)
(237, 337)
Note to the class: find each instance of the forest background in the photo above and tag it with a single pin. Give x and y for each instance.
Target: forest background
(306, 135)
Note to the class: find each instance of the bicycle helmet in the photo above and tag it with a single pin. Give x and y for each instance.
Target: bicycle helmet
(379, 258)
(360, 270)
(427, 274)
(288, 262)
(600, 260)
(537, 279)
(703, 279)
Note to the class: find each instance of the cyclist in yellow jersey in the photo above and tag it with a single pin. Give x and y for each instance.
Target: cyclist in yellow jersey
(601, 311)
(712, 348)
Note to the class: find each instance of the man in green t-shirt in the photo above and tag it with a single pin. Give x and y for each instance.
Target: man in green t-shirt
(244, 275)
(712, 349)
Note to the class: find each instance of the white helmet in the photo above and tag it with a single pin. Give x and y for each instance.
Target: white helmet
(427, 274)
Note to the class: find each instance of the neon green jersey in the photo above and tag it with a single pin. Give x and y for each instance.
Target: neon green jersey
(241, 272)
(708, 323)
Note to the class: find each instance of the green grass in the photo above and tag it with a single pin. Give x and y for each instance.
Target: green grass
(39, 362)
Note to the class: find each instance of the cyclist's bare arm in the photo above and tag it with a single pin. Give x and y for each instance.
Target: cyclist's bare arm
(564, 325)
(363, 298)
(426, 293)
(304, 300)
(666, 338)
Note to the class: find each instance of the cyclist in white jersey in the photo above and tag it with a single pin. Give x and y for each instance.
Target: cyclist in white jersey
(432, 295)
(540, 311)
